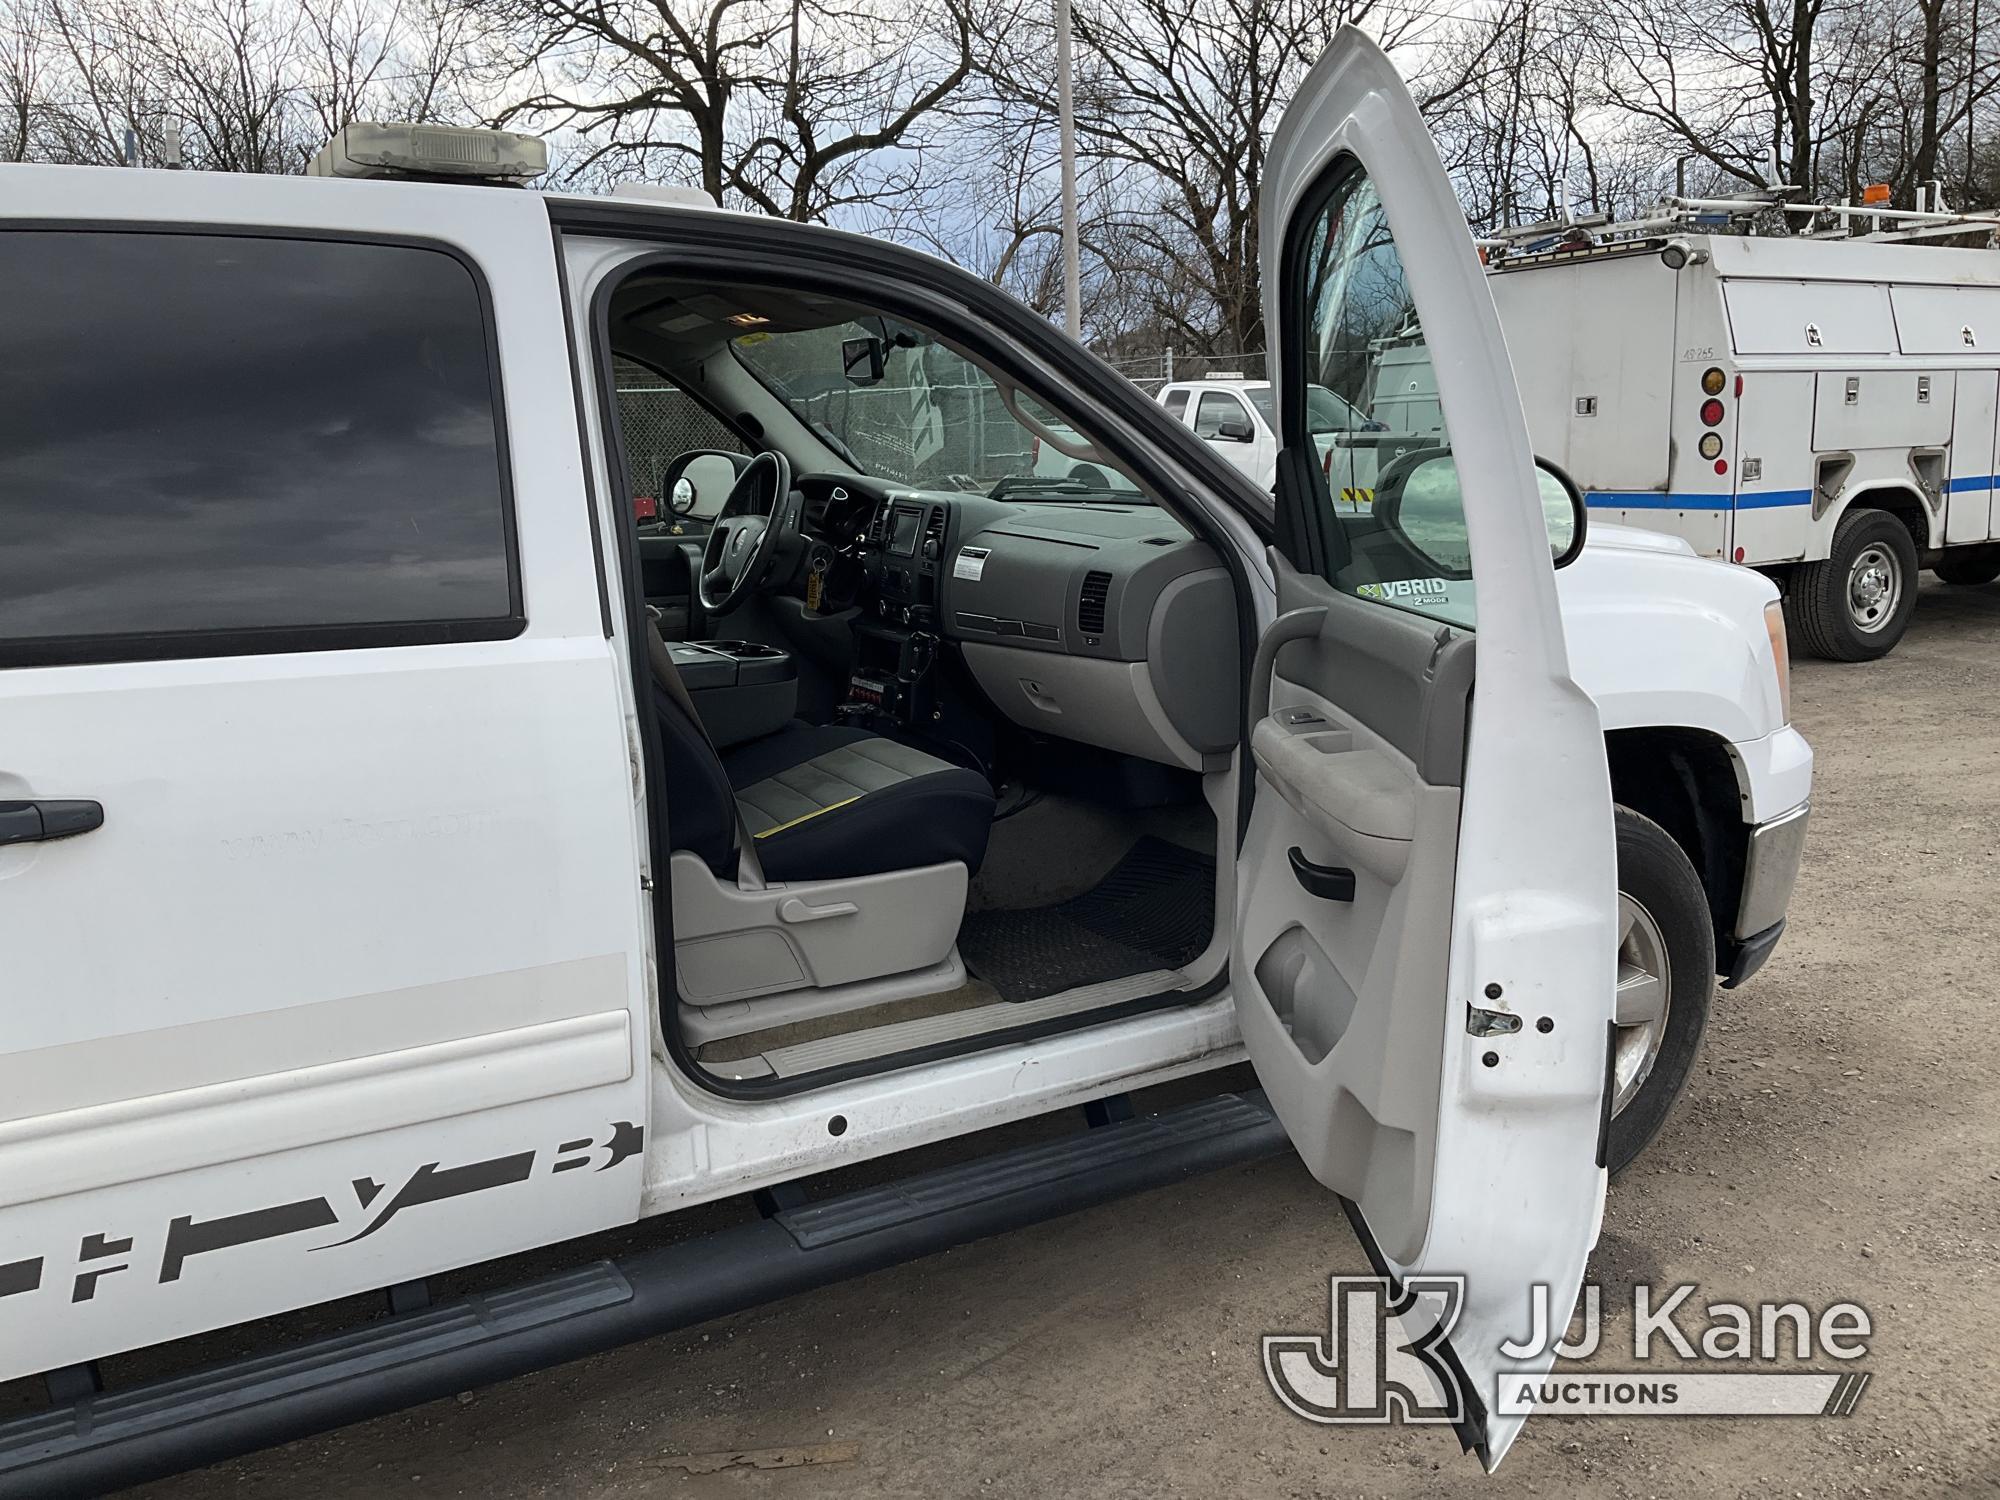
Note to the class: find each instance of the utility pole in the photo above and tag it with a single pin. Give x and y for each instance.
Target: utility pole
(1066, 126)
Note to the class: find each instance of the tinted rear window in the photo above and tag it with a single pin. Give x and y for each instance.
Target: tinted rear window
(209, 435)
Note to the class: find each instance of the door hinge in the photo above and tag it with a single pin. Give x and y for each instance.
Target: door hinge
(1482, 1022)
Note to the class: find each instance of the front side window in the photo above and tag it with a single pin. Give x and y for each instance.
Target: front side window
(203, 435)
(1325, 412)
(1395, 512)
(1214, 410)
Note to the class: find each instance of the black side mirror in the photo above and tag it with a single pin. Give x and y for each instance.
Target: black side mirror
(861, 360)
(1234, 432)
(1564, 509)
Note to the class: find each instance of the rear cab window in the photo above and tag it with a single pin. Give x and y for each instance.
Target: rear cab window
(1176, 403)
(225, 443)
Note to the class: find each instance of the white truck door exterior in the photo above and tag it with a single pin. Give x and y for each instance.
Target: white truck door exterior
(1214, 408)
(348, 986)
(1424, 959)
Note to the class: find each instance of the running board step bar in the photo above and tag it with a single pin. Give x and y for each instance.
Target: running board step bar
(101, 1442)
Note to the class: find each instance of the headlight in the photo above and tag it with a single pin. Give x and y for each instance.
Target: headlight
(1781, 654)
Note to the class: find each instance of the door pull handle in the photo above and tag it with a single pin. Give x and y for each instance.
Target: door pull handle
(1328, 882)
(46, 818)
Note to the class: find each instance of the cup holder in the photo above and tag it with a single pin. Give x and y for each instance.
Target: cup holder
(743, 650)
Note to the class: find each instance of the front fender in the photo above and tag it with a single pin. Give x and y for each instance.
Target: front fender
(1667, 639)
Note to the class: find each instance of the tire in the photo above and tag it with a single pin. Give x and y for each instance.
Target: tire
(1969, 566)
(1829, 607)
(1663, 919)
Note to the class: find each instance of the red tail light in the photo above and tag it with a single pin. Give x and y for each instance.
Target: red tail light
(645, 508)
(1326, 465)
(1711, 412)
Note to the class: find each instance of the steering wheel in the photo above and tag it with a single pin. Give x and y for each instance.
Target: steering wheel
(755, 521)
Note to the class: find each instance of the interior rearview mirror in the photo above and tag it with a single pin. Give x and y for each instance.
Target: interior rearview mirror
(862, 360)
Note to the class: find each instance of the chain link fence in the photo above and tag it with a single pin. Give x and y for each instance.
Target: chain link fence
(1152, 369)
(660, 422)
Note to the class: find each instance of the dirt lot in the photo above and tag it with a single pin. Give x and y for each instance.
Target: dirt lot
(1840, 1141)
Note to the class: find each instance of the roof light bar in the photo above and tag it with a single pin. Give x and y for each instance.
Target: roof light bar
(367, 149)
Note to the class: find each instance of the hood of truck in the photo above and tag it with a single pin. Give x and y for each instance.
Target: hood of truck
(1635, 539)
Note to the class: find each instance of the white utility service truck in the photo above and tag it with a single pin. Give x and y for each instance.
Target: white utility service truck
(1821, 409)
(383, 892)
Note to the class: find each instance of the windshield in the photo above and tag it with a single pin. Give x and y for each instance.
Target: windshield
(1325, 412)
(896, 403)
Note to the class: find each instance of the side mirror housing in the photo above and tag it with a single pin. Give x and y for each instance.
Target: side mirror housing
(1234, 432)
(1564, 510)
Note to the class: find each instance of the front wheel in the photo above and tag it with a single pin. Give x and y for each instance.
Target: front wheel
(1856, 605)
(1666, 972)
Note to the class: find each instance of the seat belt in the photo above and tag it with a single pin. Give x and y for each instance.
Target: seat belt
(749, 873)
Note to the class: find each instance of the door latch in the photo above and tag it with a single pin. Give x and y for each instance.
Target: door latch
(1482, 1022)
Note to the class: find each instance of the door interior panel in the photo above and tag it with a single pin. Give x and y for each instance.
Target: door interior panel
(1406, 677)
(1349, 866)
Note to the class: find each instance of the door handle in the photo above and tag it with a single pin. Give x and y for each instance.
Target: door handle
(1328, 882)
(792, 909)
(48, 818)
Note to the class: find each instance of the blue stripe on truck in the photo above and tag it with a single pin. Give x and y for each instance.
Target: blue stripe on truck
(1654, 500)
(1749, 500)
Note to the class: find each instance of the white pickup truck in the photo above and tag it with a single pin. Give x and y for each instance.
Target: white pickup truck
(383, 894)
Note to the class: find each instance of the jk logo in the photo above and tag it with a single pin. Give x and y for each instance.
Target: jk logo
(1381, 1359)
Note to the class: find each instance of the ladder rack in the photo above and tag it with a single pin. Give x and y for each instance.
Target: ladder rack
(1770, 211)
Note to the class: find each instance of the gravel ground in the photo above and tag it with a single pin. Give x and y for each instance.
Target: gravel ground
(1840, 1140)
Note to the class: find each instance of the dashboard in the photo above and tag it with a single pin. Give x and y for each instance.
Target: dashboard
(1104, 622)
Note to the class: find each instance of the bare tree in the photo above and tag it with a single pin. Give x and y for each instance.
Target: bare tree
(801, 108)
(239, 85)
(23, 76)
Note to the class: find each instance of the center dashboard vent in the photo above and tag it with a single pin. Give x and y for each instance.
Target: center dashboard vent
(934, 532)
(1090, 604)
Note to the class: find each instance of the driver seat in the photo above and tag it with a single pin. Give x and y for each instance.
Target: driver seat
(820, 802)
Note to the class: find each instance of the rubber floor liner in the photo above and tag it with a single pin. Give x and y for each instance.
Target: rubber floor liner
(1155, 910)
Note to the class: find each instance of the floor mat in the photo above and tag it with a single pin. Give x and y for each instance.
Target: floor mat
(1155, 910)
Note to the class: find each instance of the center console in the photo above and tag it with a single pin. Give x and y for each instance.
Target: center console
(741, 689)
(896, 645)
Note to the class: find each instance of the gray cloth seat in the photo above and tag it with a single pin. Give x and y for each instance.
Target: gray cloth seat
(821, 801)
(825, 801)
